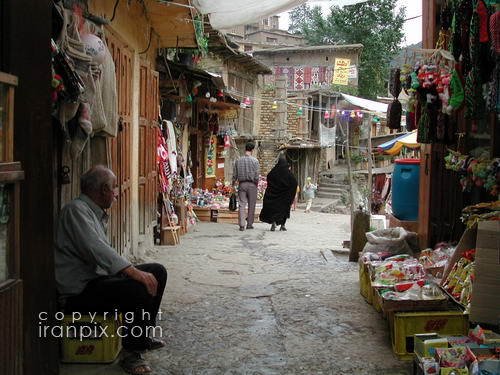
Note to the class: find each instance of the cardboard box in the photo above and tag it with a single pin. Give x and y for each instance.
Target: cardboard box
(485, 303)
(454, 371)
(425, 344)
(467, 241)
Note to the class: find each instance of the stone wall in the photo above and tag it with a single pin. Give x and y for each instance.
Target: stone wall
(267, 135)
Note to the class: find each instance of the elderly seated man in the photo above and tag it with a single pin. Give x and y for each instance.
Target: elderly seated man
(92, 277)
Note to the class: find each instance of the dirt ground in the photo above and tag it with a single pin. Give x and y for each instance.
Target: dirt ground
(261, 302)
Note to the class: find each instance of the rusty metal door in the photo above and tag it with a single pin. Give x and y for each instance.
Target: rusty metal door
(120, 147)
(148, 120)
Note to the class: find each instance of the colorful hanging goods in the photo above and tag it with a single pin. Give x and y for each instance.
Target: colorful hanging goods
(493, 100)
(457, 92)
(395, 82)
(394, 113)
(473, 92)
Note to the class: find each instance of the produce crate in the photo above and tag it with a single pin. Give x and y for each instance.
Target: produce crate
(203, 213)
(404, 325)
(377, 299)
(97, 347)
(365, 287)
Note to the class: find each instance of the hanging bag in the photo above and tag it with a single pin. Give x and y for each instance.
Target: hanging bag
(233, 204)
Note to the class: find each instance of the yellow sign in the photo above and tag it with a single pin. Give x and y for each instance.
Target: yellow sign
(341, 72)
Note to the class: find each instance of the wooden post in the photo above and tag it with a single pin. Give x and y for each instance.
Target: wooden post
(370, 165)
(349, 174)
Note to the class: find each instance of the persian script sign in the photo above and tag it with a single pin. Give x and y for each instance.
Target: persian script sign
(341, 72)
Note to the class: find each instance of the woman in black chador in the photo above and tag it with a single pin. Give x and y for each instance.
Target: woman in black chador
(279, 195)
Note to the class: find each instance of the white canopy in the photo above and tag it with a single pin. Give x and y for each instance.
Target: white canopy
(369, 105)
(224, 14)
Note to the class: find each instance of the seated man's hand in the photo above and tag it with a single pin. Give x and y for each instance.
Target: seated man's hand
(145, 278)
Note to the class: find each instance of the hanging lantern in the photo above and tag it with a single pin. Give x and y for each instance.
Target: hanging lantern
(247, 101)
(300, 111)
(207, 95)
(196, 85)
(353, 114)
(327, 115)
(360, 114)
(189, 99)
(274, 105)
(220, 94)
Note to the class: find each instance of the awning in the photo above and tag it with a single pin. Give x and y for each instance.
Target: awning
(394, 146)
(369, 105)
(172, 22)
(224, 14)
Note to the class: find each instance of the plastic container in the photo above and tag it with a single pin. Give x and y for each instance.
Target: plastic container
(405, 184)
(95, 347)
(404, 325)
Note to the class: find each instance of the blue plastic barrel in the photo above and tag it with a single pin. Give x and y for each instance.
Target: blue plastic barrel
(405, 182)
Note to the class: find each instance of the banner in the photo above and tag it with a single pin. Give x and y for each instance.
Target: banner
(341, 72)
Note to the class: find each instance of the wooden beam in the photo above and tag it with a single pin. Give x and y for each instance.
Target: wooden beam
(34, 146)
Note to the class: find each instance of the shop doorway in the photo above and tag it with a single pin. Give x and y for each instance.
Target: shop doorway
(148, 120)
(120, 147)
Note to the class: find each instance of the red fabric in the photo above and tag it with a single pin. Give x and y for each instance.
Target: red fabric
(495, 31)
(307, 75)
(482, 11)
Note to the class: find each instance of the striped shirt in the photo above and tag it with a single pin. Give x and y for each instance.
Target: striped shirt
(246, 169)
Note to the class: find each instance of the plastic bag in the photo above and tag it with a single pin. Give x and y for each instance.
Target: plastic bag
(393, 240)
(233, 204)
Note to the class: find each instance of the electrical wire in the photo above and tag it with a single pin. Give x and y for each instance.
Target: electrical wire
(149, 42)
(114, 11)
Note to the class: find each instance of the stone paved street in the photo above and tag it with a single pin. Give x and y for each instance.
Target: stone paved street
(261, 302)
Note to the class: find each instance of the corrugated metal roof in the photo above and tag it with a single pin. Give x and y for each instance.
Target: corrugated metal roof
(370, 105)
(336, 47)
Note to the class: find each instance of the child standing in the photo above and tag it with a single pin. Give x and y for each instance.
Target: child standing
(309, 193)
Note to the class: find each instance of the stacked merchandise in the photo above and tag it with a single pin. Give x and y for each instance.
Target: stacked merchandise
(459, 281)
(475, 354)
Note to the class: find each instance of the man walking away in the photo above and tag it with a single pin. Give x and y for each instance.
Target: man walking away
(246, 172)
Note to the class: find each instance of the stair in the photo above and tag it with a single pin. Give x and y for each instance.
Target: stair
(331, 188)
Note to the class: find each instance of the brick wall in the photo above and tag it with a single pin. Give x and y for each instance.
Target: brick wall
(267, 132)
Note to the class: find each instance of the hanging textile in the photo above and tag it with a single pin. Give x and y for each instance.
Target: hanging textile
(224, 14)
(172, 145)
(162, 163)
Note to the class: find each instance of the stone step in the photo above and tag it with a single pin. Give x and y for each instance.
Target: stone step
(327, 180)
(327, 189)
(329, 195)
(332, 185)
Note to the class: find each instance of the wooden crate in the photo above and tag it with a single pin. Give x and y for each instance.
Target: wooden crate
(203, 213)
(170, 235)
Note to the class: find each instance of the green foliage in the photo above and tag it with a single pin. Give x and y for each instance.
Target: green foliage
(298, 18)
(374, 24)
(349, 90)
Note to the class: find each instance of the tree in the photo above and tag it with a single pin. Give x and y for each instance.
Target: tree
(375, 24)
(298, 18)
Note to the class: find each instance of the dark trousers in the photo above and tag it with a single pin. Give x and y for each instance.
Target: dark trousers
(107, 293)
(247, 194)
